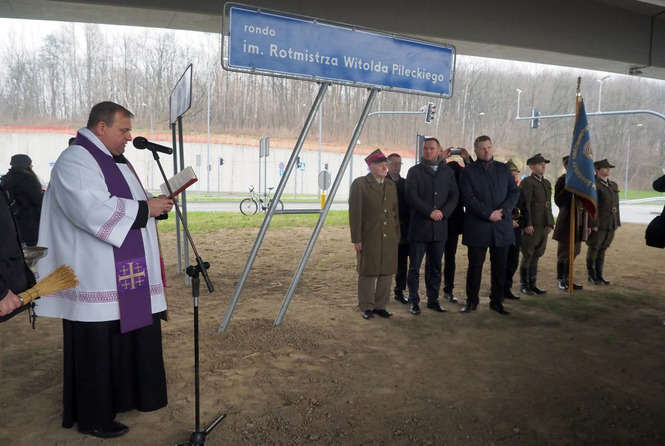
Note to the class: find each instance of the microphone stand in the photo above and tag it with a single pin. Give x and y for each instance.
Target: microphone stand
(197, 437)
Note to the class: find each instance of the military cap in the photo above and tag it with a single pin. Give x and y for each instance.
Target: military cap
(602, 163)
(510, 164)
(537, 159)
(376, 156)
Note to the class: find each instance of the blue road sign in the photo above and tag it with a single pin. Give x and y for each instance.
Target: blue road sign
(272, 43)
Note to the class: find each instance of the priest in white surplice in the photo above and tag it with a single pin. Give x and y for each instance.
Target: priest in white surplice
(98, 219)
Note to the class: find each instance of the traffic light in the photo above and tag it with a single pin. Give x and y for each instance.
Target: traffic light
(535, 122)
(429, 114)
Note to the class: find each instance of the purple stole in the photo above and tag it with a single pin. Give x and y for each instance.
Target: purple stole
(130, 264)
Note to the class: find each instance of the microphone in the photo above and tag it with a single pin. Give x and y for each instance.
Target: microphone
(141, 143)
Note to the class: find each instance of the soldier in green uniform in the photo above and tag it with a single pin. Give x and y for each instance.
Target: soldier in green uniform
(374, 223)
(537, 207)
(562, 198)
(606, 222)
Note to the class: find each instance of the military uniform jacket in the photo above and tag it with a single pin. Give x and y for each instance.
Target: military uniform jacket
(607, 215)
(485, 189)
(374, 222)
(537, 201)
(562, 199)
(400, 183)
(427, 191)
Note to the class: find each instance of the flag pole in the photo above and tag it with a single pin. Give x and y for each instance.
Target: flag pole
(573, 208)
(571, 248)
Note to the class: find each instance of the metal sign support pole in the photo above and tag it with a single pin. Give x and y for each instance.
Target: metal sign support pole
(258, 189)
(183, 195)
(273, 204)
(322, 218)
(177, 217)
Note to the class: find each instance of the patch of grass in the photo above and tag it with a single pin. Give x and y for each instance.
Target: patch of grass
(213, 221)
(634, 194)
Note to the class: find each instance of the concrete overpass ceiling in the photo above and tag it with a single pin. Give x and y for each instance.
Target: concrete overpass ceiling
(608, 35)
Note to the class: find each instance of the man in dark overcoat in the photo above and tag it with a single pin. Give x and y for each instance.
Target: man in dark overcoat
(374, 223)
(490, 194)
(432, 195)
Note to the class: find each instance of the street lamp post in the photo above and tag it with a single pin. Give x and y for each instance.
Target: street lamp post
(600, 89)
(208, 155)
(473, 129)
(625, 183)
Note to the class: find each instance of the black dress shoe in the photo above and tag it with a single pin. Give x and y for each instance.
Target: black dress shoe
(498, 308)
(468, 308)
(383, 313)
(577, 286)
(115, 429)
(415, 309)
(368, 314)
(436, 307)
(508, 294)
(526, 290)
(451, 298)
(537, 290)
(399, 297)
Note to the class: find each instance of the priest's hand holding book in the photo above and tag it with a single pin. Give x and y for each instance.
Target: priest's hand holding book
(159, 205)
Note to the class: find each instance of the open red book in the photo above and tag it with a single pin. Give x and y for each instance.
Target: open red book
(180, 181)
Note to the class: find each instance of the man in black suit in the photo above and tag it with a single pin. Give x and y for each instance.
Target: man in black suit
(455, 227)
(394, 168)
(490, 194)
(432, 194)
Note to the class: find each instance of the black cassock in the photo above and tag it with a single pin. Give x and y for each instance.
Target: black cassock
(106, 372)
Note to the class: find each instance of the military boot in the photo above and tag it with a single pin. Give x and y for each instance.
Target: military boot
(560, 276)
(592, 271)
(524, 282)
(533, 275)
(599, 271)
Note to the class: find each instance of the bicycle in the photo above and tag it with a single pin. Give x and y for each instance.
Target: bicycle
(251, 204)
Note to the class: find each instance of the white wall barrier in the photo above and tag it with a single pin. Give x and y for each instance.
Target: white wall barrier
(240, 167)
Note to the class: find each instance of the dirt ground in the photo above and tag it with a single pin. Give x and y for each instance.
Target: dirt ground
(586, 369)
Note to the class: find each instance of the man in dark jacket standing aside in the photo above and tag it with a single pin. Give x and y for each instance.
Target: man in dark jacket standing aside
(490, 194)
(536, 193)
(432, 194)
(374, 223)
(25, 191)
(394, 167)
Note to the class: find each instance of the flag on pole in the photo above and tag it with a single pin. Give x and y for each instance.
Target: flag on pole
(580, 177)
